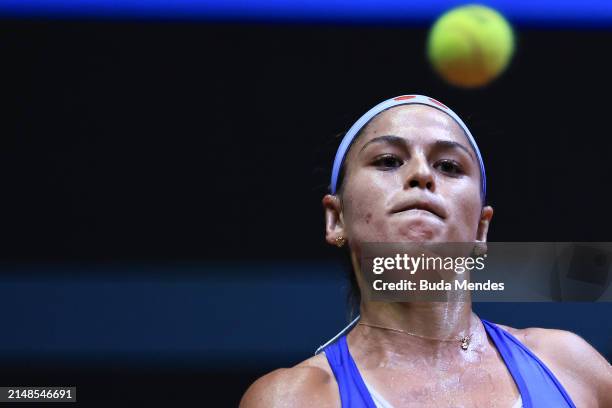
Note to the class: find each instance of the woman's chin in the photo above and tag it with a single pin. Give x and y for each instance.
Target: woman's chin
(419, 232)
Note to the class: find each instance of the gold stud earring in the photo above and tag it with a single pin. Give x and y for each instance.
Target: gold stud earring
(340, 241)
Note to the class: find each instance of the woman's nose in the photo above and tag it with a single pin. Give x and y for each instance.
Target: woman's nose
(420, 174)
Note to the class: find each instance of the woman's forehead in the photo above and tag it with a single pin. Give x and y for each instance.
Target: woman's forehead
(413, 122)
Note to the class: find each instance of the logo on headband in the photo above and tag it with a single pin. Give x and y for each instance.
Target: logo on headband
(438, 103)
(404, 97)
(432, 100)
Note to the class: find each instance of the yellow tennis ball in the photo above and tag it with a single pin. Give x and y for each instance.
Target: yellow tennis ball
(470, 45)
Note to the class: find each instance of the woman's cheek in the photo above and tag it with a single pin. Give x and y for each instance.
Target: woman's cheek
(467, 219)
(365, 220)
(373, 230)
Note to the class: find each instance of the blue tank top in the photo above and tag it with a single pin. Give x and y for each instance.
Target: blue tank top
(538, 387)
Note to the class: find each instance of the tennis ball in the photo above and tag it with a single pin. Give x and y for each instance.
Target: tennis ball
(470, 45)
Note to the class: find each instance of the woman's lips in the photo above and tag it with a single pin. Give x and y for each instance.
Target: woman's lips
(419, 208)
(418, 211)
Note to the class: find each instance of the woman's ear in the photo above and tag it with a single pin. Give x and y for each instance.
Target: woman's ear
(483, 225)
(483, 228)
(334, 224)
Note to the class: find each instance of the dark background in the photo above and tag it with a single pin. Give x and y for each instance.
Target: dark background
(135, 154)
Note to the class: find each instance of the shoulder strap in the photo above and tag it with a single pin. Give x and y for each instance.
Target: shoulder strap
(352, 389)
(537, 384)
(342, 332)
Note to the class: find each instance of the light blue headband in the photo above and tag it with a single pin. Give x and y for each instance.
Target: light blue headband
(389, 103)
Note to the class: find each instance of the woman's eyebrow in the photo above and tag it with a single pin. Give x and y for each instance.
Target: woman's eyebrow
(391, 139)
(450, 144)
(403, 143)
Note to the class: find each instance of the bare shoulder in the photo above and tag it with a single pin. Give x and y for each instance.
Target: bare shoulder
(564, 347)
(585, 373)
(308, 384)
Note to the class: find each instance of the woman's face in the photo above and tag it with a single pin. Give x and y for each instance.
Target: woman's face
(410, 176)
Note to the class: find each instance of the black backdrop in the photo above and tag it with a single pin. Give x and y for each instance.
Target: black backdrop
(162, 140)
(158, 141)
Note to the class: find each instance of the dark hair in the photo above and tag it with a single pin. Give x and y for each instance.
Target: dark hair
(353, 298)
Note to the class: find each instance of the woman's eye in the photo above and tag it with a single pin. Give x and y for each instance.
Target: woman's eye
(449, 166)
(388, 162)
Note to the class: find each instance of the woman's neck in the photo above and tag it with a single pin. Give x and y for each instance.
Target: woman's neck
(424, 327)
